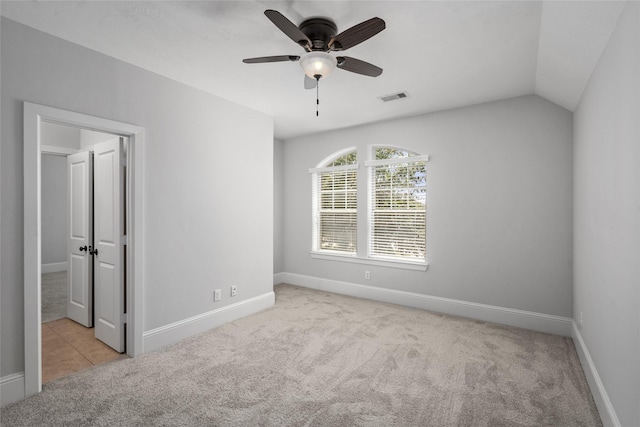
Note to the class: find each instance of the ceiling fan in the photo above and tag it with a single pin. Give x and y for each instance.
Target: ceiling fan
(318, 37)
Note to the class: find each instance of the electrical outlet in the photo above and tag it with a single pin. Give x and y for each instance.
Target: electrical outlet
(234, 290)
(216, 295)
(367, 275)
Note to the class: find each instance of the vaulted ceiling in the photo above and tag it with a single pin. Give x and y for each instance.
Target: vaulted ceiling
(444, 54)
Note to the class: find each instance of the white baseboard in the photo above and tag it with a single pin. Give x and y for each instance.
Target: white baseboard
(177, 331)
(11, 388)
(605, 408)
(488, 313)
(54, 267)
(279, 278)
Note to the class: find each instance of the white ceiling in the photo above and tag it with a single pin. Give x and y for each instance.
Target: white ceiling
(445, 54)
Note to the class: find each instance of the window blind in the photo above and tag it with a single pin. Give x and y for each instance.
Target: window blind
(397, 209)
(335, 207)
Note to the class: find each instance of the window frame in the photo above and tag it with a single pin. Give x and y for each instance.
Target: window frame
(371, 188)
(316, 195)
(363, 222)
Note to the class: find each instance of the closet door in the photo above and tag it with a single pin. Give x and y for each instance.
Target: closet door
(108, 243)
(80, 191)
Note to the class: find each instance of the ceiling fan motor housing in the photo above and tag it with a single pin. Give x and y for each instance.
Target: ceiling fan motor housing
(320, 31)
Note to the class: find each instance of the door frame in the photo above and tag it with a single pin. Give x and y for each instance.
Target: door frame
(34, 115)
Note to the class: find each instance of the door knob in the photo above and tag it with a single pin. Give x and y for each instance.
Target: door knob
(83, 248)
(93, 251)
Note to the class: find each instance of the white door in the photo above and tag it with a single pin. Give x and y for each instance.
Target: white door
(79, 286)
(108, 245)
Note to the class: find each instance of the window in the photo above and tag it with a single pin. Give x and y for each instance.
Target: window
(335, 203)
(388, 208)
(397, 205)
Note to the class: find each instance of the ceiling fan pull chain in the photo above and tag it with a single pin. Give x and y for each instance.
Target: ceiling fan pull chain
(317, 93)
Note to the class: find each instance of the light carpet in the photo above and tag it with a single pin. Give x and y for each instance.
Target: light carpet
(322, 359)
(54, 296)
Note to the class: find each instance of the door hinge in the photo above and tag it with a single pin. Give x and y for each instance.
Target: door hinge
(123, 160)
(124, 240)
(124, 318)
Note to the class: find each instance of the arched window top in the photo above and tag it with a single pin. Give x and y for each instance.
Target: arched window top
(348, 156)
(346, 159)
(384, 153)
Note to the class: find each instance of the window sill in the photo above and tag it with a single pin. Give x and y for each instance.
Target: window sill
(406, 265)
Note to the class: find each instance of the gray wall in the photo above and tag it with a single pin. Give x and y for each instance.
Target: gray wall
(200, 232)
(499, 197)
(607, 217)
(60, 136)
(278, 205)
(89, 138)
(54, 209)
(54, 191)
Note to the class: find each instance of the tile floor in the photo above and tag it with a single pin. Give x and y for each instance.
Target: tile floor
(69, 347)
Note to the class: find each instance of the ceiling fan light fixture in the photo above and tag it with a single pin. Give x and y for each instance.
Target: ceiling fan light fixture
(318, 64)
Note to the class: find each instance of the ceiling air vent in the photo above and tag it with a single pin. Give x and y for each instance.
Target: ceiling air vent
(393, 97)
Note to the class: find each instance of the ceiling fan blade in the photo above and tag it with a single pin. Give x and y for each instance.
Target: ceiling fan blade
(279, 58)
(357, 34)
(310, 83)
(357, 66)
(288, 27)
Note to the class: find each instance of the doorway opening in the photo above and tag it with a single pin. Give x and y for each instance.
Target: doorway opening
(34, 117)
(69, 301)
